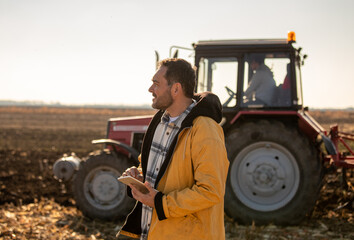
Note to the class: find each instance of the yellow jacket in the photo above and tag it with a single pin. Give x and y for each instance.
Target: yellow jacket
(191, 183)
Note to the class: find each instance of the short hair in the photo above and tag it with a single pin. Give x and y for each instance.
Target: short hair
(180, 71)
(258, 58)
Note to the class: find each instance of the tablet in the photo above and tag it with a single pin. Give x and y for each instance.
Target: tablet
(135, 182)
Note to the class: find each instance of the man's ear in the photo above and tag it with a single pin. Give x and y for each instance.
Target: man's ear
(176, 89)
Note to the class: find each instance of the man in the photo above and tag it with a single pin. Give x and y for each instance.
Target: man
(262, 85)
(183, 162)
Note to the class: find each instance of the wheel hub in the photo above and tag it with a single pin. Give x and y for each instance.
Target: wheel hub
(265, 176)
(105, 187)
(102, 189)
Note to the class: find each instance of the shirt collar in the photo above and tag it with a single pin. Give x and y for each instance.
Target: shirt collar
(165, 118)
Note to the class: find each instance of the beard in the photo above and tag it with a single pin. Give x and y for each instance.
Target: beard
(162, 102)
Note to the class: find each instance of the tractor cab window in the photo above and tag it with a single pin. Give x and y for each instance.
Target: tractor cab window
(266, 80)
(219, 75)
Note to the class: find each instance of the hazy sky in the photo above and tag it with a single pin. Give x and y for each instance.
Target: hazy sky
(102, 51)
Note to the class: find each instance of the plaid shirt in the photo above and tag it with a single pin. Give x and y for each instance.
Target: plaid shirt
(164, 135)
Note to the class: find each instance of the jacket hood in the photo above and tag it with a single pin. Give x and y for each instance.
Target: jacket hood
(208, 105)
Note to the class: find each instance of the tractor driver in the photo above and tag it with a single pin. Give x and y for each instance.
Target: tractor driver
(262, 85)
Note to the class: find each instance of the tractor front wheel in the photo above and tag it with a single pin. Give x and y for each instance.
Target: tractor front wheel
(97, 192)
(274, 175)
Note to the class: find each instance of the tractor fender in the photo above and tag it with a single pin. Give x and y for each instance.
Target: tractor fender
(133, 152)
(305, 123)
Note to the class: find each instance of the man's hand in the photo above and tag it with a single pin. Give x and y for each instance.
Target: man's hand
(133, 172)
(148, 198)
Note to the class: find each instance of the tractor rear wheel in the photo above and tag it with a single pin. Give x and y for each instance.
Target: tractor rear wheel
(97, 192)
(274, 175)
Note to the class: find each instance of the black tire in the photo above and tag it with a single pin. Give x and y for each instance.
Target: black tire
(97, 192)
(274, 175)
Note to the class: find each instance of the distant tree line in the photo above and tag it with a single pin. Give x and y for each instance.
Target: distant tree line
(7, 103)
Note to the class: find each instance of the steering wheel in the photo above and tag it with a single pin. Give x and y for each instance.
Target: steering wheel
(232, 95)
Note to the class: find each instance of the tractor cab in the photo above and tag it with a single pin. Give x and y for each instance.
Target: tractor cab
(251, 74)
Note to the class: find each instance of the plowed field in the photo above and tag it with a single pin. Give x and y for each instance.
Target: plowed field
(33, 205)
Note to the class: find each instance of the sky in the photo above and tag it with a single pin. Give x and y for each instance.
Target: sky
(103, 51)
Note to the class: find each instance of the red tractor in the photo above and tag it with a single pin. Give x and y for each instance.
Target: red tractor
(276, 149)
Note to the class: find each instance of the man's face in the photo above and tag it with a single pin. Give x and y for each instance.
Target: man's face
(254, 65)
(160, 90)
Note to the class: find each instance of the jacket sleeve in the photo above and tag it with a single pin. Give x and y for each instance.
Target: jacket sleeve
(210, 165)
